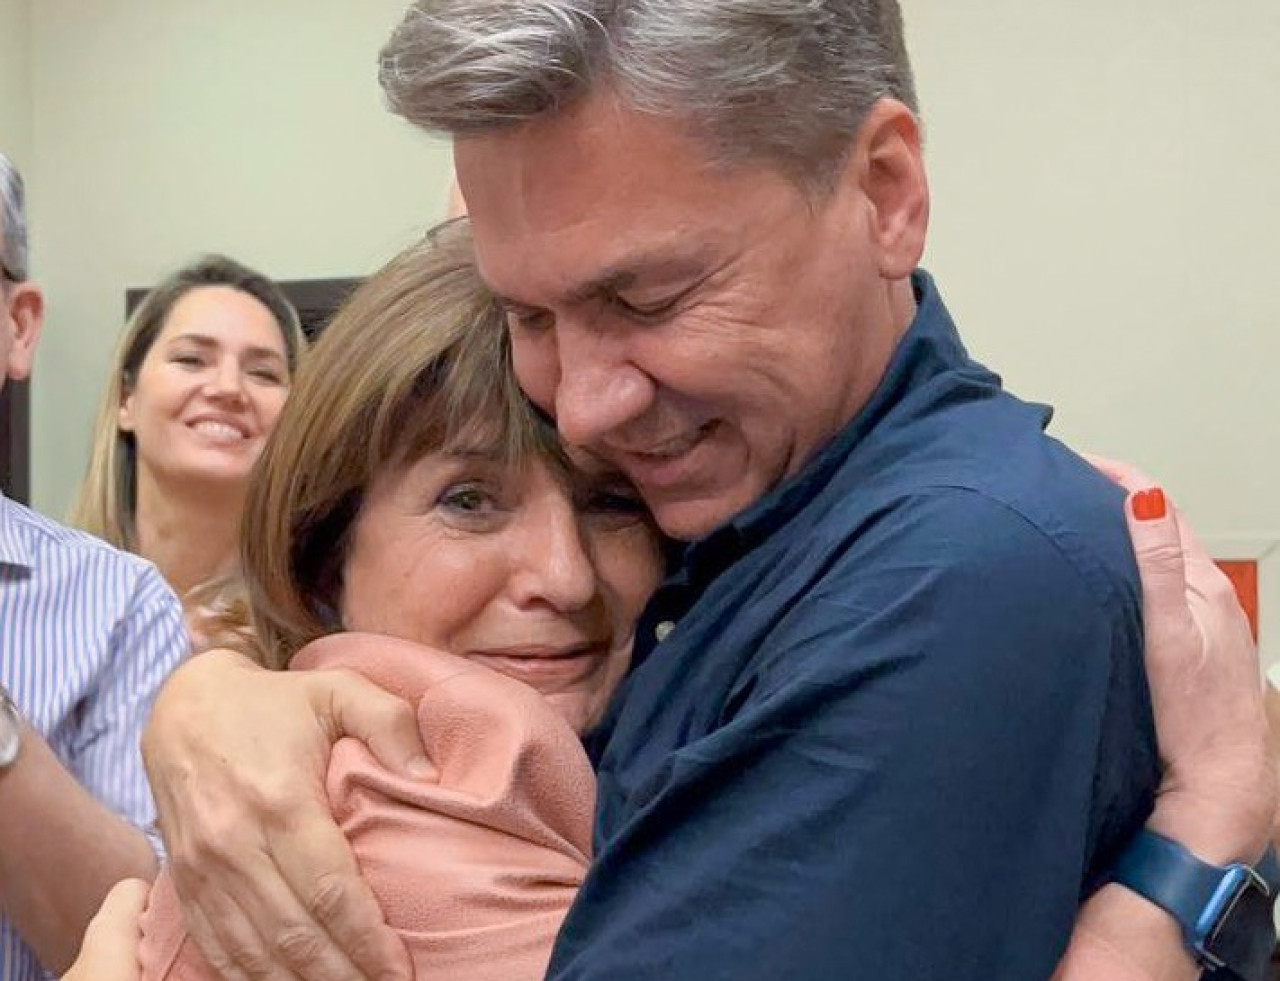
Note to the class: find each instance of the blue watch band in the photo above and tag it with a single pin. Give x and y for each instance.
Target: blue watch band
(1207, 900)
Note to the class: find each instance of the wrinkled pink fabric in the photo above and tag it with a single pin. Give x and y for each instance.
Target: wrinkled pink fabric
(476, 866)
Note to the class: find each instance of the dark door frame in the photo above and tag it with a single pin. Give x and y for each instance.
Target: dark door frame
(317, 300)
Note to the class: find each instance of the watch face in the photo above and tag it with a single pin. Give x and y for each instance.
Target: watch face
(1245, 936)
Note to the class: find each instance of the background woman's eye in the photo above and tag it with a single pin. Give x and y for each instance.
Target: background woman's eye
(188, 360)
(269, 375)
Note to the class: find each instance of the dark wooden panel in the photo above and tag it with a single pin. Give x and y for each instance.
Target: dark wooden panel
(15, 441)
(316, 299)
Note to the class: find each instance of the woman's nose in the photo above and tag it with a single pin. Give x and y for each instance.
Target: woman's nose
(554, 562)
(226, 381)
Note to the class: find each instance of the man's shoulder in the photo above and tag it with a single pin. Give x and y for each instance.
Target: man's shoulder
(42, 535)
(53, 549)
(978, 470)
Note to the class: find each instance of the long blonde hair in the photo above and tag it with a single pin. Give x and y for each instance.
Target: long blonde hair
(106, 505)
(417, 358)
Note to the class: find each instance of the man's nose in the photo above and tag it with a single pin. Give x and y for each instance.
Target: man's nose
(599, 389)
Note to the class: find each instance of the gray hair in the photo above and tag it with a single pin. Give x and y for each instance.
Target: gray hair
(787, 82)
(13, 223)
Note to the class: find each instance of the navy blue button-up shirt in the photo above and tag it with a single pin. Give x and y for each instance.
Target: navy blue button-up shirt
(889, 723)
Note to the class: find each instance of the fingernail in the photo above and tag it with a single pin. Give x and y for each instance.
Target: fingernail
(1149, 505)
(419, 767)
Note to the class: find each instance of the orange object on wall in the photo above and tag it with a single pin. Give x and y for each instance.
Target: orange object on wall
(1244, 577)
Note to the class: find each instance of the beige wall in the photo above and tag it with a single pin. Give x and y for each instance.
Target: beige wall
(1107, 230)
(1105, 180)
(15, 81)
(165, 129)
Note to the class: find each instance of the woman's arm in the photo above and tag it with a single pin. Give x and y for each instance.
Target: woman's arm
(1218, 794)
(110, 948)
(60, 852)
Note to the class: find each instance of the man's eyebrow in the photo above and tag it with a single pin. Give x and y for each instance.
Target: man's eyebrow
(614, 279)
(593, 289)
(608, 283)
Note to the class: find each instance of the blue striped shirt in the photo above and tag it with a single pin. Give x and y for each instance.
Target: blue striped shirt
(87, 636)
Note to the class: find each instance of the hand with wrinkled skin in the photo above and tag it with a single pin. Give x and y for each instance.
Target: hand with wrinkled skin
(110, 948)
(236, 755)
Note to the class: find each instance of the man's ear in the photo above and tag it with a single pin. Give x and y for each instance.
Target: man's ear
(26, 310)
(888, 163)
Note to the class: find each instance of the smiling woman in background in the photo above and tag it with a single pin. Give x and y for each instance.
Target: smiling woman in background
(199, 380)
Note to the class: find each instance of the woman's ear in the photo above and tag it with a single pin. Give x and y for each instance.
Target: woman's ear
(124, 412)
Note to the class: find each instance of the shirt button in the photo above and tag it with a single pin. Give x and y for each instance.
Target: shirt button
(663, 630)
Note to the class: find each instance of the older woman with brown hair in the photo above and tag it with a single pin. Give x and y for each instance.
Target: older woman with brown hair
(413, 521)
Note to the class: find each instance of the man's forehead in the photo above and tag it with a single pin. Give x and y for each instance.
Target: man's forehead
(597, 154)
(521, 273)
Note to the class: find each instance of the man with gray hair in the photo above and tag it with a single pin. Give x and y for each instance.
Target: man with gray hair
(887, 718)
(87, 635)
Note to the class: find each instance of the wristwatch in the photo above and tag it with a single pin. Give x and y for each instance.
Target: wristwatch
(1225, 912)
(10, 730)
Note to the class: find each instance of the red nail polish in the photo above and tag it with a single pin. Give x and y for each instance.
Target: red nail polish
(1149, 505)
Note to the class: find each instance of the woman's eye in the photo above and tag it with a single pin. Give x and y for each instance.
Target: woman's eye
(188, 360)
(615, 503)
(268, 375)
(613, 508)
(467, 499)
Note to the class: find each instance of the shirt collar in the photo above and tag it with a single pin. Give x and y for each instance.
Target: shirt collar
(14, 549)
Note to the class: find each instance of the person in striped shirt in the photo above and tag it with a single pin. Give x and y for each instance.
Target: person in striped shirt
(87, 636)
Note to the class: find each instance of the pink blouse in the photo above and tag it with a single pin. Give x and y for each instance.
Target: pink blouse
(475, 866)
